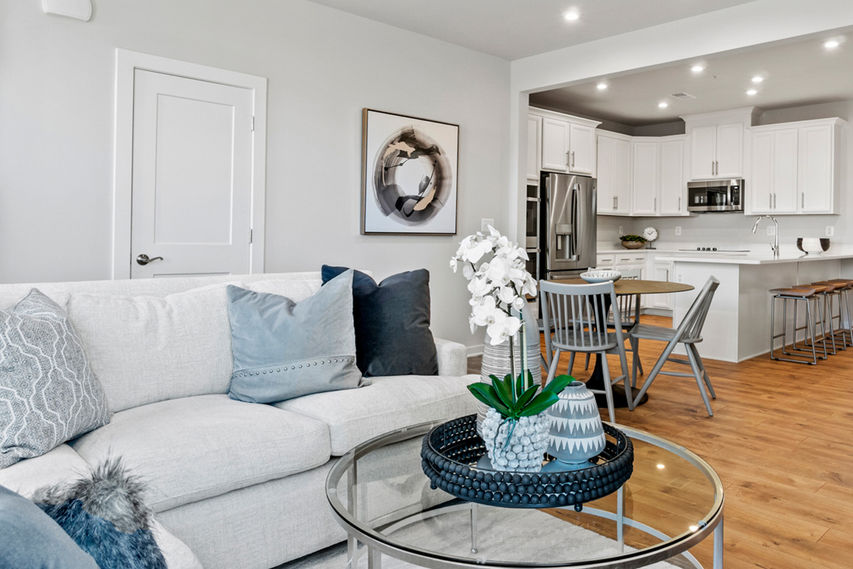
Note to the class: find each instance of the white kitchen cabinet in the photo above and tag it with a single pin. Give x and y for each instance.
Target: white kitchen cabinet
(795, 168)
(555, 144)
(614, 174)
(671, 199)
(534, 147)
(568, 143)
(581, 148)
(774, 171)
(645, 167)
(661, 271)
(817, 180)
(716, 151)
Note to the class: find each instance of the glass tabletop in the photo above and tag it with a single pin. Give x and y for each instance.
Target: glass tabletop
(380, 495)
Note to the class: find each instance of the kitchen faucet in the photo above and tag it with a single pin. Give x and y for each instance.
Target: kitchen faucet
(775, 246)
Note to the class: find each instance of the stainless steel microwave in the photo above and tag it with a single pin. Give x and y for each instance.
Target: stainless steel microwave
(715, 195)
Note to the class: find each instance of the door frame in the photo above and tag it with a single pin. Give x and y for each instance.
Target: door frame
(127, 62)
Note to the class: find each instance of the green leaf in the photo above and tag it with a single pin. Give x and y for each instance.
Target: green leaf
(527, 396)
(558, 384)
(503, 388)
(539, 404)
(486, 394)
(519, 385)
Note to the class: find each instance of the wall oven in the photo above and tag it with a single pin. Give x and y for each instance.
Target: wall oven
(715, 195)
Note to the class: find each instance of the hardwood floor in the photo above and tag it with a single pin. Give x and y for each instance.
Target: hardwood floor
(778, 440)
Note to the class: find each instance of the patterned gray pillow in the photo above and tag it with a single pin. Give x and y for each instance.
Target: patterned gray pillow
(48, 393)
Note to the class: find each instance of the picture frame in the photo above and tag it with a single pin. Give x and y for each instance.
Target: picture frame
(409, 176)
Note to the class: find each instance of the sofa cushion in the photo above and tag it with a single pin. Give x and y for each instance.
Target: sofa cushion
(283, 349)
(60, 464)
(194, 448)
(48, 393)
(147, 348)
(386, 404)
(392, 331)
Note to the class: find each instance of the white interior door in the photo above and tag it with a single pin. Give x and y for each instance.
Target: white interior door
(191, 208)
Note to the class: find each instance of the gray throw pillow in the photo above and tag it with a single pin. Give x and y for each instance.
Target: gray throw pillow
(48, 393)
(32, 540)
(283, 349)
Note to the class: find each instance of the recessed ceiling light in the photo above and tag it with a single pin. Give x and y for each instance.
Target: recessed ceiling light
(697, 68)
(757, 79)
(831, 44)
(571, 15)
(663, 105)
(752, 92)
(602, 86)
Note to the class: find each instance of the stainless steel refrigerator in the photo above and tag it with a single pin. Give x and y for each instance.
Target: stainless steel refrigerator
(567, 234)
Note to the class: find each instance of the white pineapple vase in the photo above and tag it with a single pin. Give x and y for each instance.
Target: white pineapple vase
(528, 440)
(576, 434)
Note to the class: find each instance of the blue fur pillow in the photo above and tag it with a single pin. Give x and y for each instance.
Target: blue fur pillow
(105, 515)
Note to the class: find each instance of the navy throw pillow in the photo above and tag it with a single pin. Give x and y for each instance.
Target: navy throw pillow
(392, 334)
(105, 514)
(29, 539)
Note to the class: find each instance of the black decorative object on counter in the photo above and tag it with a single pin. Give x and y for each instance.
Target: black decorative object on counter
(451, 450)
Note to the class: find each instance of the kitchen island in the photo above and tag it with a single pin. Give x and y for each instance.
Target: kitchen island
(738, 323)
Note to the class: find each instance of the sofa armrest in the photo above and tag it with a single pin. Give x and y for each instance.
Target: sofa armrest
(452, 357)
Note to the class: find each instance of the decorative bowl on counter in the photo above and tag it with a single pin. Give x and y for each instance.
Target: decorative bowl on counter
(632, 241)
(813, 245)
(601, 275)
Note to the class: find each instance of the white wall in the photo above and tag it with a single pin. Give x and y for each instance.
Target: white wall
(56, 129)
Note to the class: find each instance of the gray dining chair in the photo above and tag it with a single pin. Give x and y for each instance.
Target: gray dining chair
(629, 312)
(575, 321)
(688, 333)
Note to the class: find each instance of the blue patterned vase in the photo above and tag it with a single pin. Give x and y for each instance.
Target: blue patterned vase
(576, 433)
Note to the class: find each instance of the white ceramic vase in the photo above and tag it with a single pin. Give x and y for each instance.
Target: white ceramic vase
(576, 433)
(527, 441)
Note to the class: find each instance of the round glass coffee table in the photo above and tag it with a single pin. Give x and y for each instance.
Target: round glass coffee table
(382, 498)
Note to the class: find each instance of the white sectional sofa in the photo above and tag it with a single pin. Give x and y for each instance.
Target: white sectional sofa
(241, 484)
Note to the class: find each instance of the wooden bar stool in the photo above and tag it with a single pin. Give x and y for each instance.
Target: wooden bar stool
(833, 298)
(794, 353)
(846, 309)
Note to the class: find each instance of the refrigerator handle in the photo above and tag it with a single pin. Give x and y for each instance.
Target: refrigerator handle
(573, 251)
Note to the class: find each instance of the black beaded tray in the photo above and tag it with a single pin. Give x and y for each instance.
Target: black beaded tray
(451, 450)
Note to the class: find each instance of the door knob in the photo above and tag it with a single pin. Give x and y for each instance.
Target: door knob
(144, 259)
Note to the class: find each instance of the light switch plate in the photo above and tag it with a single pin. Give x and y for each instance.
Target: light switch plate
(830, 230)
(771, 230)
(677, 230)
(485, 223)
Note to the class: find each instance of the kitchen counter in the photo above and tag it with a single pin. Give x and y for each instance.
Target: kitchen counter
(738, 323)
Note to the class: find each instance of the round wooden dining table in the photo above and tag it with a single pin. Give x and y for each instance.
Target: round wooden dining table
(636, 287)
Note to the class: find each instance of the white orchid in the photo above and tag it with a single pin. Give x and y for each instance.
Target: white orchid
(498, 282)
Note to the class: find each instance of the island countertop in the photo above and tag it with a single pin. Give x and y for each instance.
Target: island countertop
(755, 257)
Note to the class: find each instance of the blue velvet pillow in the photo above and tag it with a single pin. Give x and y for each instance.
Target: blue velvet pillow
(105, 515)
(392, 334)
(29, 539)
(283, 349)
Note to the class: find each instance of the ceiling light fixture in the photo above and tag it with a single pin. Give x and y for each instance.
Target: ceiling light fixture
(831, 44)
(697, 68)
(571, 15)
(752, 92)
(663, 105)
(757, 79)
(602, 86)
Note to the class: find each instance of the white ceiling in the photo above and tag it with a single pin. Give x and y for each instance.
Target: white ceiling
(796, 72)
(512, 29)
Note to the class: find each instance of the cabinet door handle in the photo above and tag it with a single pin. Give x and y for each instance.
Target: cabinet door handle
(573, 158)
(769, 201)
(679, 204)
(802, 200)
(568, 159)
(654, 204)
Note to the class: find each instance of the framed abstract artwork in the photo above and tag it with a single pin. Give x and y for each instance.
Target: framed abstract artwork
(409, 175)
